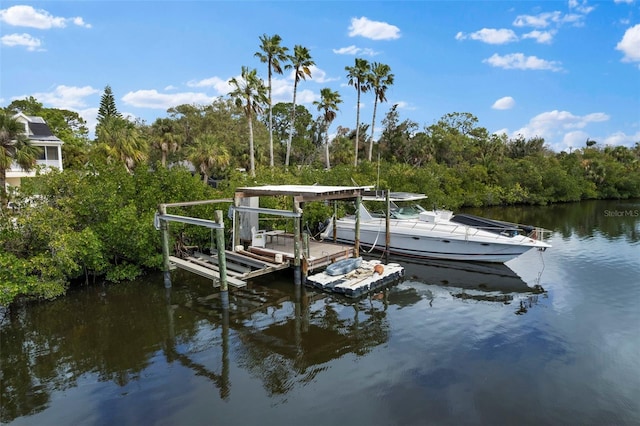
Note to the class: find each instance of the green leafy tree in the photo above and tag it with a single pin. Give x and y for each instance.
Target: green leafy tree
(358, 76)
(120, 140)
(165, 138)
(14, 147)
(328, 105)
(274, 55)
(301, 63)
(208, 155)
(250, 94)
(380, 79)
(107, 107)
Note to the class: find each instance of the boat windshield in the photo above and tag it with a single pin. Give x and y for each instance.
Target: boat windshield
(406, 211)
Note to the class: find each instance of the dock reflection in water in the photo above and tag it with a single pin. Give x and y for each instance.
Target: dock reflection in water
(285, 335)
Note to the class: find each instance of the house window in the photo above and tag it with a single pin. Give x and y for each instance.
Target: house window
(52, 153)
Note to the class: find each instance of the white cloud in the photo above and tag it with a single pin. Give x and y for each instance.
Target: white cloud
(170, 87)
(221, 86)
(320, 76)
(630, 44)
(27, 16)
(557, 125)
(545, 19)
(155, 100)
(490, 36)
(522, 62)
(623, 1)
(581, 7)
(506, 102)
(541, 20)
(576, 138)
(620, 138)
(353, 50)
(65, 97)
(26, 40)
(544, 37)
(373, 30)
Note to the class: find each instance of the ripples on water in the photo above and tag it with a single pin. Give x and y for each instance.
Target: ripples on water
(468, 344)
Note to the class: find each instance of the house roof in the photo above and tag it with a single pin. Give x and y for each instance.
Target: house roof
(39, 129)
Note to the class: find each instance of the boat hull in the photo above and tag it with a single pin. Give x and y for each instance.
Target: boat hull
(448, 241)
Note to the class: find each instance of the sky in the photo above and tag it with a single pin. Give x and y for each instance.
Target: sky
(566, 71)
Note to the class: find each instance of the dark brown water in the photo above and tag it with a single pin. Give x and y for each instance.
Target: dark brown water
(449, 345)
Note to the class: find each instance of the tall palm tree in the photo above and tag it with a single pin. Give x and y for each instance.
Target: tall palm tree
(249, 94)
(273, 55)
(328, 103)
(358, 78)
(301, 62)
(380, 79)
(165, 137)
(120, 139)
(209, 155)
(14, 147)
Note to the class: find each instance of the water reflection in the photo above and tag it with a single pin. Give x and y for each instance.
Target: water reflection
(446, 334)
(282, 335)
(465, 281)
(288, 335)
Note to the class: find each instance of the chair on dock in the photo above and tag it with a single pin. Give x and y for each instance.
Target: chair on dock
(258, 237)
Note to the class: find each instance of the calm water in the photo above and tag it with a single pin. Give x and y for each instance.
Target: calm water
(447, 346)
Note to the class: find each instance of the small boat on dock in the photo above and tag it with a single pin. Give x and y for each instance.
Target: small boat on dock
(369, 276)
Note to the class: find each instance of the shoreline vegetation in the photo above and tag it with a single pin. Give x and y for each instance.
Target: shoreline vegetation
(93, 222)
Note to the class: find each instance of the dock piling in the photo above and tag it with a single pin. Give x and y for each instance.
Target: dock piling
(164, 227)
(224, 290)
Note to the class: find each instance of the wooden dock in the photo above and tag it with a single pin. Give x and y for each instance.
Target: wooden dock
(277, 255)
(318, 254)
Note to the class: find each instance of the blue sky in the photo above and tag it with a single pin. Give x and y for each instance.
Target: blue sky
(562, 70)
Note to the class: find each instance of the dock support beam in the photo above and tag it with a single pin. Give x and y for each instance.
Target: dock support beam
(222, 260)
(356, 246)
(297, 253)
(387, 221)
(164, 227)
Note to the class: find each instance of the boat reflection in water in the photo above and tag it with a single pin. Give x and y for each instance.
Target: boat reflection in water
(489, 282)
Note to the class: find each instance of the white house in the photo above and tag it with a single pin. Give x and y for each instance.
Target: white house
(40, 135)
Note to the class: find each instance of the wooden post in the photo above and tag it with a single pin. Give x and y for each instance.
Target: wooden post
(222, 261)
(236, 226)
(164, 228)
(297, 273)
(334, 219)
(387, 239)
(356, 247)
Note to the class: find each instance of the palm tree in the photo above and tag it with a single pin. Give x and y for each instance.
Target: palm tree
(380, 79)
(301, 62)
(272, 54)
(164, 136)
(328, 103)
(14, 147)
(120, 139)
(249, 94)
(357, 75)
(209, 155)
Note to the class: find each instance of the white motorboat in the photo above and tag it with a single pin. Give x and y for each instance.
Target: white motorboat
(435, 234)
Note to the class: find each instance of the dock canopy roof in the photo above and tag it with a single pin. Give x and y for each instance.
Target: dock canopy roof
(303, 192)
